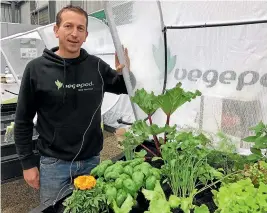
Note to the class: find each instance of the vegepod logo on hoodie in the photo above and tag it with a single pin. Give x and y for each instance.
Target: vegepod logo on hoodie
(80, 87)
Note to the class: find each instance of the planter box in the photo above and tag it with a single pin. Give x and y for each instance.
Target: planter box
(10, 165)
(203, 198)
(59, 208)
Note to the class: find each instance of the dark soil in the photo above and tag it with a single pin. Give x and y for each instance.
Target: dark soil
(205, 197)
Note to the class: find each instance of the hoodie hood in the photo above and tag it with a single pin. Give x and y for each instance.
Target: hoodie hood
(52, 56)
(64, 62)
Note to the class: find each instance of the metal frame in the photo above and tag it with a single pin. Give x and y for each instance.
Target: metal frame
(10, 67)
(210, 25)
(207, 25)
(118, 47)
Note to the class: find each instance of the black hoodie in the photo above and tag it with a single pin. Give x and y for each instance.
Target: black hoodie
(67, 96)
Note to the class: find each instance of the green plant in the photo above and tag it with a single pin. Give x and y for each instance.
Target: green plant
(185, 164)
(241, 196)
(257, 173)
(225, 144)
(259, 149)
(224, 154)
(125, 178)
(149, 103)
(125, 207)
(228, 162)
(86, 201)
(159, 202)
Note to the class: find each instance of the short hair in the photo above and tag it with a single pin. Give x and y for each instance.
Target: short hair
(74, 9)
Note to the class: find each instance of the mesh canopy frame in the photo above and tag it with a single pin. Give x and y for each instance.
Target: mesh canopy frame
(232, 111)
(99, 43)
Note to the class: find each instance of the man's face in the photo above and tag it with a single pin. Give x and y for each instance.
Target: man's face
(72, 31)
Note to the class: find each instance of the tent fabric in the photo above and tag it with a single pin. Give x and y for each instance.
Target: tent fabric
(226, 63)
(179, 13)
(21, 48)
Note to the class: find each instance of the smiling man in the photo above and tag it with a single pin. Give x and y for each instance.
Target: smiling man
(65, 87)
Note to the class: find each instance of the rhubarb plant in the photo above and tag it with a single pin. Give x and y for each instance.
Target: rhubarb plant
(150, 103)
(173, 99)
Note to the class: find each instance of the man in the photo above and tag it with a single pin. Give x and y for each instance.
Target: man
(65, 87)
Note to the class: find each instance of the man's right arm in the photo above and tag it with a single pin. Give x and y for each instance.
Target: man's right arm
(25, 112)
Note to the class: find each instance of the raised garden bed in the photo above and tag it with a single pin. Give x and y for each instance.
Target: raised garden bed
(180, 172)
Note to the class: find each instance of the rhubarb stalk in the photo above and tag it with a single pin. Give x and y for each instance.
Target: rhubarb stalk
(156, 140)
(168, 123)
(149, 150)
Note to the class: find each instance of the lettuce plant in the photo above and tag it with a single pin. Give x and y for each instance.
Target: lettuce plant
(159, 202)
(241, 196)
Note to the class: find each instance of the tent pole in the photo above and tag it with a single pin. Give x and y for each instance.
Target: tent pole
(161, 15)
(165, 59)
(217, 24)
(164, 30)
(118, 47)
(10, 67)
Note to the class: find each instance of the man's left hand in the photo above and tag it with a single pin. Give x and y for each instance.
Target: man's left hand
(119, 66)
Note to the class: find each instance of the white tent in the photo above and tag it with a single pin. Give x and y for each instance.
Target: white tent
(217, 47)
(20, 48)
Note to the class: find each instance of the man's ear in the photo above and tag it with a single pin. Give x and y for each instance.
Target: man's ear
(85, 36)
(56, 30)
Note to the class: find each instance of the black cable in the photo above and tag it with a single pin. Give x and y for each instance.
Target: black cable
(120, 121)
(11, 92)
(166, 58)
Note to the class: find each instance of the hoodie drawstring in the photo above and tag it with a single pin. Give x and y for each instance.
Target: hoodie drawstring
(75, 90)
(64, 83)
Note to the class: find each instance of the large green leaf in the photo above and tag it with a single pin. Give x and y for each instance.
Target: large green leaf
(174, 98)
(126, 207)
(250, 139)
(155, 129)
(261, 144)
(253, 157)
(201, 209)
(146, 101)
(262, 140)
(255, 151)
(131, 139)
(259, 128)
(141, 127)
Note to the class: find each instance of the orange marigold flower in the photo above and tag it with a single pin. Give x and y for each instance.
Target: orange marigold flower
(85, 182)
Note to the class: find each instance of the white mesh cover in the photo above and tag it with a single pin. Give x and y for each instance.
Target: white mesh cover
(20, 49)
(141, 34)
(227, 64)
